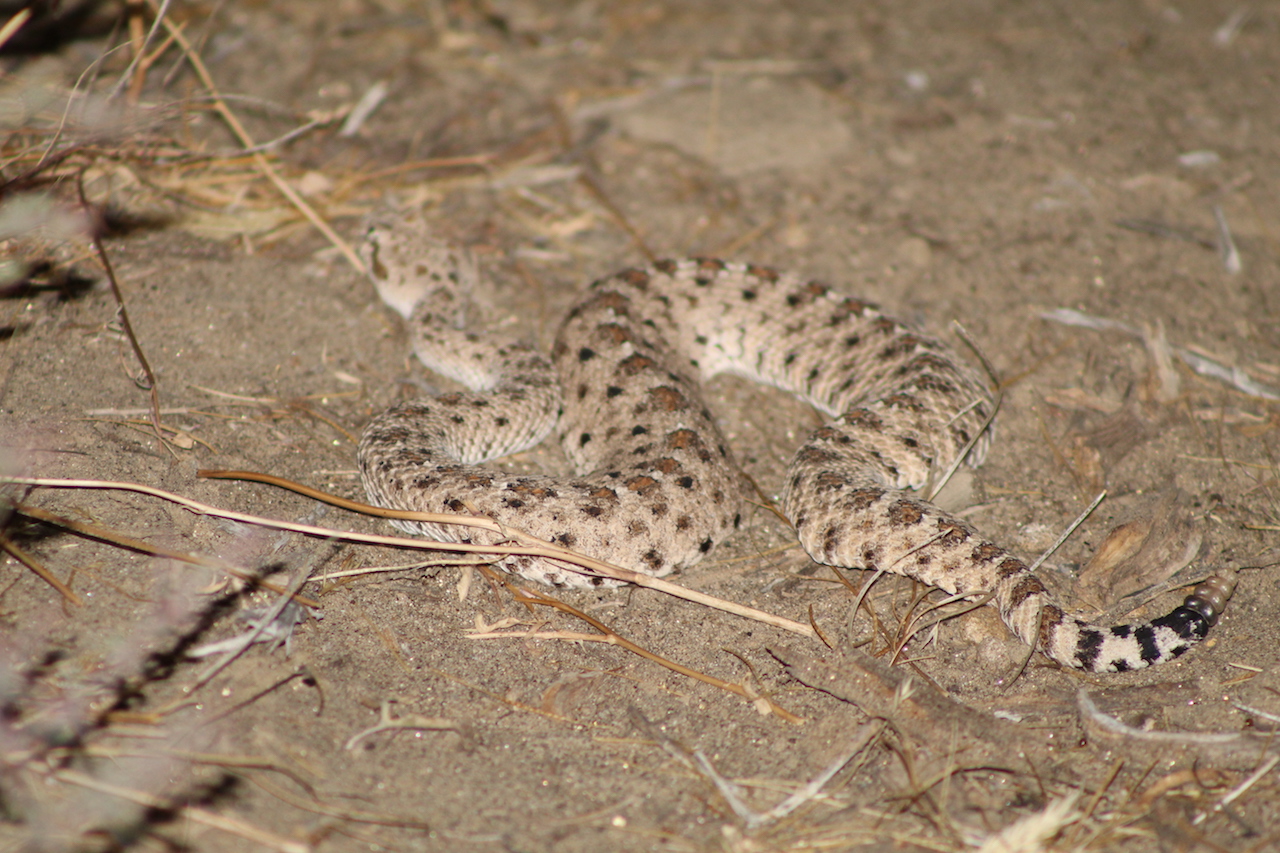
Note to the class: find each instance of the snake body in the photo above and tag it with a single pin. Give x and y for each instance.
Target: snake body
(655, 486)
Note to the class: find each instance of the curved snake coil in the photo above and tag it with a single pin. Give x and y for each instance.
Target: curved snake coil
(656, 486)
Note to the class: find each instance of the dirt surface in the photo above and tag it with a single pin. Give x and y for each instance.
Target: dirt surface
(978, 162)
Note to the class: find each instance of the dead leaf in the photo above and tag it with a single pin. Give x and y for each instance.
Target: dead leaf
(1141, 553)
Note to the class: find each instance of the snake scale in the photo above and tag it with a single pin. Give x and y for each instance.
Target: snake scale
(655, 486)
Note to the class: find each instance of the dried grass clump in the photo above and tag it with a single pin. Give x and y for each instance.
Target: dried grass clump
(72, 776)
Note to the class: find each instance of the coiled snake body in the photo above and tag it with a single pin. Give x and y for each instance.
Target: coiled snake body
(656, 486)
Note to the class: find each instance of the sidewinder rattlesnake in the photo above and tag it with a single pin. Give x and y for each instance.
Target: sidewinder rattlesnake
(656, 487)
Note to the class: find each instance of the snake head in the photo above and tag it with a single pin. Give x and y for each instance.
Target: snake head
(408, 264)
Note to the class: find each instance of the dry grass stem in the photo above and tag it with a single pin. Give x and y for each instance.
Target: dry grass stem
(14, 24)
(135, 74)
(524, 595)
(256, 630)
(982, 432)
(1234, 376)
(697, 761)
(152, 384)
(262, 163)
(20, 554)
(421, 564)
(527, 596)
(924, 712)
(1253, 779)
(97, 532)
(179, 438)
(205, 817)
(415, 722)
(499, 633)
(1071, 528)
(334, 811)
(536, 547)
(861, 739)
(140, 167)
(1231, 749)
(504, 700)
(912, 626)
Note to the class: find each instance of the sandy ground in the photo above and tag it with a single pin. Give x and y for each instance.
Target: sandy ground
(977, 162)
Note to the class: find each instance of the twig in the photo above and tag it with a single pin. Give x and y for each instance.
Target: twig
(813, 623)
(498, 697)
(56, 136)
(1257, 712)
(282, 138)
(912, 628)
(1116, 767)
(153, 384)
(300, 672)
(478, 160)
(1166, 784)
(1089, 711)
(276, 631)
(861, 593)
(181, 438)
(694, 760)
(414, 721)
(572, 636)
(861, 738)
(312, 413)
(545, 549)
(124, 413)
